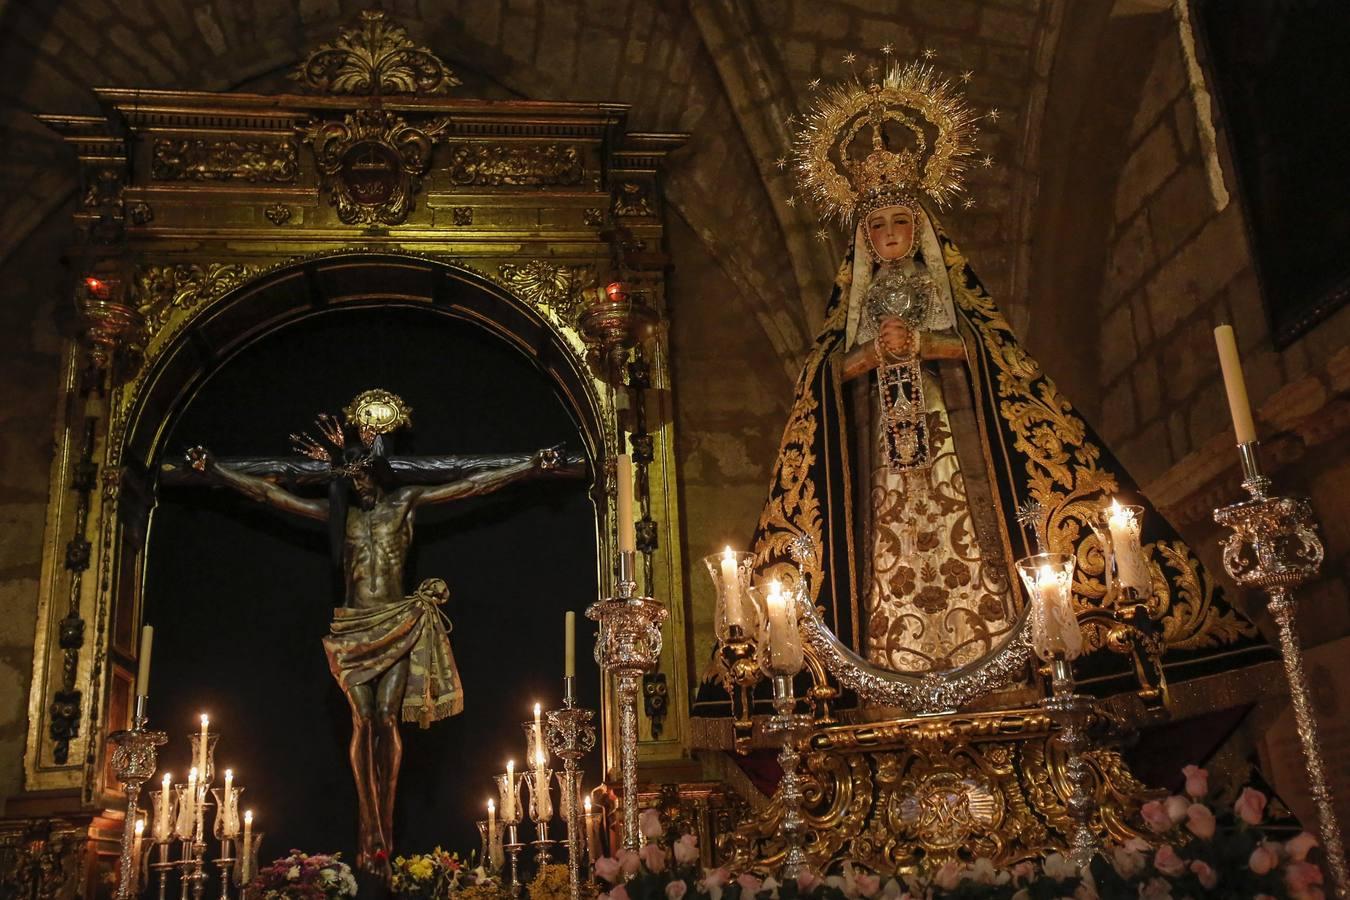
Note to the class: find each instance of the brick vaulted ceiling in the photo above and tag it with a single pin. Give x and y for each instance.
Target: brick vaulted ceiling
(730, 72)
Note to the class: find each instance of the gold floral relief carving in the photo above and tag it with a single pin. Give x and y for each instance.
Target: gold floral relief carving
(375, 57)
(161, 291)
(557, 288)
(1065, 477)
(372, 164)
(198, 159)
(529, 165)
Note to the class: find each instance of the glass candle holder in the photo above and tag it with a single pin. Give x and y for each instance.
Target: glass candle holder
(163, 811)
(212, 738)
(227, 813)
(508, 803)
(536, 748)
(1126, 566)
(780, 640)
(541, 798)
(185, 805)
(1054, 625)
(491, 842)
(735, 617)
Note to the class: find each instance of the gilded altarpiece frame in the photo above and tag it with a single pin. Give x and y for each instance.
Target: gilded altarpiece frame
(196, 202)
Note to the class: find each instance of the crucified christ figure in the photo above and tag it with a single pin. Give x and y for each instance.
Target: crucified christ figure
(390, 652)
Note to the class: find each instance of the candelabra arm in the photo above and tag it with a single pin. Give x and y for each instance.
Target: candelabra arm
(134, 759)
(627, 689)
(1071, 712)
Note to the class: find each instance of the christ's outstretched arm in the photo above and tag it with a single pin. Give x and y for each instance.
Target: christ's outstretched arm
(550, 462)
(255, 488)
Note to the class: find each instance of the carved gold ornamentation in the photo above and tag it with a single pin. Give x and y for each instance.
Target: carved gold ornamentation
(909, 795)
(160, 290)
(372, 162)
(278, 214)
(462, 215)
(497, 165)
(557, 288)
(378, 411)
(633, 199)
(375, 57)
(200, 159)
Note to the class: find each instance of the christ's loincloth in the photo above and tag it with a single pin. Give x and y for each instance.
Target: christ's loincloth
(363, 644)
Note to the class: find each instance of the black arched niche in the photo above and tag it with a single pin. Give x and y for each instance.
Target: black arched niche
(241, 596)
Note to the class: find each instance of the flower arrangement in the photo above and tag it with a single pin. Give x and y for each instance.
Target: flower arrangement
(425, 876)
(1195, 853)
(301, 876)
(550, 883)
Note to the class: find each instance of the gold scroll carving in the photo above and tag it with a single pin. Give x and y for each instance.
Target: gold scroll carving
(375, 57)
(199, 159)
(532, 165)
(911, 795)
(372, 164)
(557, 288)
(159, 291)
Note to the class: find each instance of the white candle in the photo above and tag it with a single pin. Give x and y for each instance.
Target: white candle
(1061, 633)
(494, 839)
(201, 748)
(162, 814)
(538, 732)
(784, 647)
(509, 798)
(1130, 566)
(731, 590)
(247, 845)
(143, 661)
(492, 818)
(187, 806)
(570, 644)
(201, 811)
(230, 814)
(624, 506)
(136, 849)
(543, 800)
(1239, 407)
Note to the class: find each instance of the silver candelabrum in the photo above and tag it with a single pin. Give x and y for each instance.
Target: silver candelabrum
(1274, 546)
(1072, 712)
(508, 790)
(134, 759)
(628, 646)
(793, 727)
(570, 735)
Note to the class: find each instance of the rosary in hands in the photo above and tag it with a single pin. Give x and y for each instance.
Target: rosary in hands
(896, 341)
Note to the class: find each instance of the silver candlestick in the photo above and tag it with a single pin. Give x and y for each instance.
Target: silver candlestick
(570, 735)
(1274, 546)
(134, 759)
(628, 646)
(793, 727)
(508, 790)
(1072, 711)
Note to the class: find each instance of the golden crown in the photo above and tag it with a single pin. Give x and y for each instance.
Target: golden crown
(909, 104)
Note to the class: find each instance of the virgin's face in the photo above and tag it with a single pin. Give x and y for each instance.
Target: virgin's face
(891, 231)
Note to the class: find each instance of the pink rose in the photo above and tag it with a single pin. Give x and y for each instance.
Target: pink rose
(1167, 862)
(1208, 877)
(949, 876)
(750, 885)
(1197, 781)
(607, 869)
(1176, 806)
(619, 893)
(1303, 879)
(1298, 847)
(1127, 862)
(629, 862)
(653, 857)
(716, 877)
(649, 823)
(1250, 806)
(868, 885)
(676, 890)
(1200, 821)
(686, 850)
(1156, 817)
(1155, 889)
(807, 881)
(1263, 859)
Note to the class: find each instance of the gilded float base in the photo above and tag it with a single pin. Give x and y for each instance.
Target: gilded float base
(911, 794)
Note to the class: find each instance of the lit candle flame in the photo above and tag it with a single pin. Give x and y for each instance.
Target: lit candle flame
(727, 554)
(140, 827)
(492, 807)
(248, 817)
(167, 780)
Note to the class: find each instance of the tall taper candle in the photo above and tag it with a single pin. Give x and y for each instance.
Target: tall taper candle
(1233, 382)
(623, 474)
(202, 749)
(143, 661)
(246, 848)
(570, 644)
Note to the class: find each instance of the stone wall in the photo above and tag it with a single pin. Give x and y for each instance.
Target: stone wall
(1178, 266)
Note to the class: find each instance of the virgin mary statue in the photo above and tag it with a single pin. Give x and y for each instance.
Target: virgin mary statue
(925, 450)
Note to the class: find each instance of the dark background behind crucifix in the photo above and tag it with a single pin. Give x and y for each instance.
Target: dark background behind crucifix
(240, 597)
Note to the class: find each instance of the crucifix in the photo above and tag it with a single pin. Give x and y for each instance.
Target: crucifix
(389, 651)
